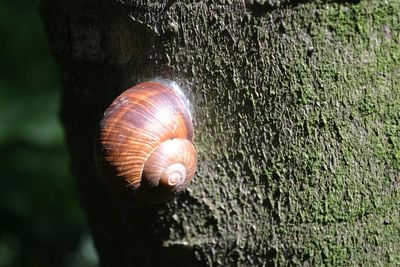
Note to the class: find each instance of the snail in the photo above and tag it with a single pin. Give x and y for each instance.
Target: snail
(145, 142)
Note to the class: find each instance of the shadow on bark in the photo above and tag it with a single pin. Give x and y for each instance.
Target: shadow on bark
(261, 7)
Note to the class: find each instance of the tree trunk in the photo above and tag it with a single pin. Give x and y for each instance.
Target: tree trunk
(296, 109)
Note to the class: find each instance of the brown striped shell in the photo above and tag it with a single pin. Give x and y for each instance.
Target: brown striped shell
(145, 142)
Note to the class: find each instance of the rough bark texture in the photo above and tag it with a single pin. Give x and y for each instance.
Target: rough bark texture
(296, 108)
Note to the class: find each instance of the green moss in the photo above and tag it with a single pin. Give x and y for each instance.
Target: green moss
(297, 128)
(341, 163)
(305, 104)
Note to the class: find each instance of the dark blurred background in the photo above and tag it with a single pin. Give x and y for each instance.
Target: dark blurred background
(41, 222)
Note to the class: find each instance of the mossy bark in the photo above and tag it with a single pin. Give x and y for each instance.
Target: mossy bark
(297, 114)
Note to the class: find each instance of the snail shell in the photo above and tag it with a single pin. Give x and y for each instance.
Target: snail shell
(145, 143)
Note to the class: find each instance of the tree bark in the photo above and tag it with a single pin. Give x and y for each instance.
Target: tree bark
(296, 108)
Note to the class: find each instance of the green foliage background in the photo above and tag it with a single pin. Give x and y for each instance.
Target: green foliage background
(41, 223)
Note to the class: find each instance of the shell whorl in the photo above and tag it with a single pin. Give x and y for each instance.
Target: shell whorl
(146, 140)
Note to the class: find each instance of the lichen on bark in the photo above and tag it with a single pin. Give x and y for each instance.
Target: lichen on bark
(297, 125)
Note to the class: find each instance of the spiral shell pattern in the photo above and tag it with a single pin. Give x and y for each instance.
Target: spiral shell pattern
(146, 140)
